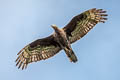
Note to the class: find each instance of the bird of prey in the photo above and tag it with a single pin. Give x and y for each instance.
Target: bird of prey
(61, 39)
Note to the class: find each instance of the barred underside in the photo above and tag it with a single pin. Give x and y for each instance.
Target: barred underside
(84, 25)
(28, 54)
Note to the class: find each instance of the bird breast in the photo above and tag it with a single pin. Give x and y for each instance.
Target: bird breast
(61, 38)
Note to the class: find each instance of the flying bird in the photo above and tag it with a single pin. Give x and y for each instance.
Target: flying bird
(61, 39)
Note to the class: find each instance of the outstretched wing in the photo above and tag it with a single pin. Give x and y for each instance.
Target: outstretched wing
(40, 49)
(81, 24)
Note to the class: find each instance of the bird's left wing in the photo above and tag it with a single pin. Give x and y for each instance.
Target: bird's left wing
(81, 24)
(40, 49)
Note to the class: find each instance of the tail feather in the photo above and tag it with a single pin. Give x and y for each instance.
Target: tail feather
(71, 55)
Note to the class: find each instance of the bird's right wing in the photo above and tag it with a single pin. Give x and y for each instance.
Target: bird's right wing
(81, 24)
(40, 49)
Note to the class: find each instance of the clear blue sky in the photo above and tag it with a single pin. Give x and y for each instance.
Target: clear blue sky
(23, 21)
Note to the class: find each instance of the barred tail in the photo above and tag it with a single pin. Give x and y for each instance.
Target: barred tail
(71, 55)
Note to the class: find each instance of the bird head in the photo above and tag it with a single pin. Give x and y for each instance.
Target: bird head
(54, 27)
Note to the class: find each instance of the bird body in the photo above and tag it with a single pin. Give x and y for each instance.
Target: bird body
(61, 39)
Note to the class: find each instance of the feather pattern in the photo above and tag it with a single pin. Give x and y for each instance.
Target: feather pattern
(81, 24)
(38, 50)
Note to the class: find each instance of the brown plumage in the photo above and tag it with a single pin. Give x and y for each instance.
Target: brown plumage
(61, 39)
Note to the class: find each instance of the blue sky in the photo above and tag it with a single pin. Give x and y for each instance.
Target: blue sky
(23, 21)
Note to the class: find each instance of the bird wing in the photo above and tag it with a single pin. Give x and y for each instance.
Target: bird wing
(81, 24)
(40, 49)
